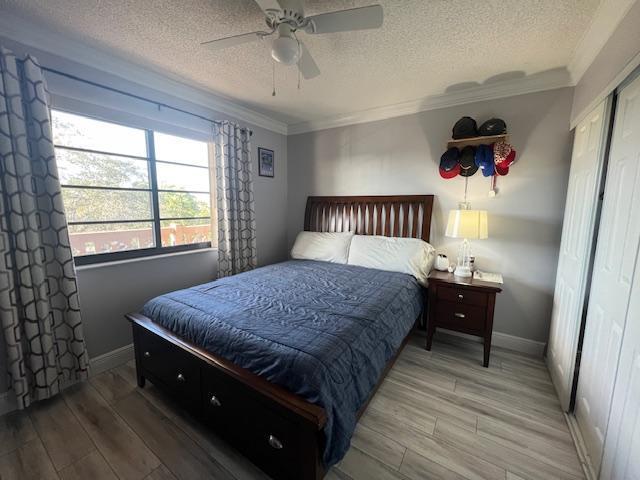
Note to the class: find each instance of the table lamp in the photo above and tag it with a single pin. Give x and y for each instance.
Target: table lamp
(466, 224)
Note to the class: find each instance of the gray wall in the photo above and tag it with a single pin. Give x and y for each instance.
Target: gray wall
(400, 156)
(622, 48)
(108, 291)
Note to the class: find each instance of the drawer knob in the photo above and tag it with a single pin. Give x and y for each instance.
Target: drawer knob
(147, 354)
(275, 443)
(459, 315)
(181, 378)
(214, 401)
(460, 296)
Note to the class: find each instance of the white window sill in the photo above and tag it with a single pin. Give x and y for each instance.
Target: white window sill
(80, 268)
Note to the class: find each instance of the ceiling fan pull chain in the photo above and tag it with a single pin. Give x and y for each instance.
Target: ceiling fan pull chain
(299, 55)
(273, 94)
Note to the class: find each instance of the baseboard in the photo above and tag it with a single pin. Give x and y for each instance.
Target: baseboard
(97, 365)
(509, 342)
(111, 359)
(519, 344)
(578, 441)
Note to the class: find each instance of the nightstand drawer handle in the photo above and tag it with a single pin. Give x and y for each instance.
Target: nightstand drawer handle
(214, 401)
(275, 443)
(181, 378)
(459, 315)
(147, 354)
(460, 296)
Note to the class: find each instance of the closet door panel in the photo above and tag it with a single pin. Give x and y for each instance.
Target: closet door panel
(614, 268)
(622, 446)
(622, 443)
(575, 248)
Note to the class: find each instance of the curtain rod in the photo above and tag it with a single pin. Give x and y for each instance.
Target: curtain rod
(132, 95)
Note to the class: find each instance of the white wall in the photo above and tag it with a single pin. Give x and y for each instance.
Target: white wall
(619, 56)
(401, 155)
(108, 291)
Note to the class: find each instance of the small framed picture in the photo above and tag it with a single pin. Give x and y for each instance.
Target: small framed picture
(265, 162)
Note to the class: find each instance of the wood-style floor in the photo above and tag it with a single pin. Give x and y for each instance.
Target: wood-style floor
(438, 415)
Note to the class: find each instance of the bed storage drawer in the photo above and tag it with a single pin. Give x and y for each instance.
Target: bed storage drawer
(170, 367)
(275, 441)
(262, 434)
(221, 403)
(285, 443)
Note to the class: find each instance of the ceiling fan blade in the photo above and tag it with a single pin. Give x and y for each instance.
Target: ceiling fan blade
(226, 42)
(307, 65)
(269, 5)
(345, 20)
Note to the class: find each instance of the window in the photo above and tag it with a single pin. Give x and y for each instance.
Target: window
(130, 192)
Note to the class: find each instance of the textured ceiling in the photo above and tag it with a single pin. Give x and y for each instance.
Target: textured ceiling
(425, 47)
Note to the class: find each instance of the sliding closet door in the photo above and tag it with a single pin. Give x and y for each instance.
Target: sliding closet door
(575, 248)
(616, 253)
(622, 444)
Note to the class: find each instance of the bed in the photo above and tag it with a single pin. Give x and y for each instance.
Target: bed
(282, 360)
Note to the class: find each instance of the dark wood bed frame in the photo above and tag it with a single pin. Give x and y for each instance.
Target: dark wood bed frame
(278, 431)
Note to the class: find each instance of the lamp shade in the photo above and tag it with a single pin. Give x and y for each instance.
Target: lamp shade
(467, 224)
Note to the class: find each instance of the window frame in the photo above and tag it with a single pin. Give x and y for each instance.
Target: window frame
(154, 191)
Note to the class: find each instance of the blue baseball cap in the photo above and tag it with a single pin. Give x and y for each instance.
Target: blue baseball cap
(484, 160)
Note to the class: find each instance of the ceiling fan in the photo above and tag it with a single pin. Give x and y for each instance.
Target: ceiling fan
(286, 17)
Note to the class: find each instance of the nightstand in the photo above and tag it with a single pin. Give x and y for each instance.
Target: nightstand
(461, 304)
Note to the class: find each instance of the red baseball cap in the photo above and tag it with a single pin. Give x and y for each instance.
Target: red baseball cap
(501, 171)
(503, 155)
(508, 161)
(454, 172)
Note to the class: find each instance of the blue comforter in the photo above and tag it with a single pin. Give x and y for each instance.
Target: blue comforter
(321, 330)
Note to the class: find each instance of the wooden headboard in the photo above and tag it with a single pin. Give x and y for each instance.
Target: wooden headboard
(388, 215)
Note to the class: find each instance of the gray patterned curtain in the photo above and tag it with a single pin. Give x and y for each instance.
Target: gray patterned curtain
(39, 307)
(236, 210)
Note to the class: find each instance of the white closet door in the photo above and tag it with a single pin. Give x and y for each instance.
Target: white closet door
(575, 248)
(618, 239)
(622, 444)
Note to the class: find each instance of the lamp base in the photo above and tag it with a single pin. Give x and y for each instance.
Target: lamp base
(462, 271)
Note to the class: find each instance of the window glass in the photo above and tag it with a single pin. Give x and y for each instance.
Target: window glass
(170, 148)
(181, 177)
(95, 169)
(110, 183)
(183, 232)
(76, 131)
(110, 237)
(184, 205)
(97, 205)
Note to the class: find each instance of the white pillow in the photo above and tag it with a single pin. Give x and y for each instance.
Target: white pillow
(405, 255)
(324, 246)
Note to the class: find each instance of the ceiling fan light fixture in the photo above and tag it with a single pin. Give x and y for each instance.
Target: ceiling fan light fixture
(285, 50)
(286, 17)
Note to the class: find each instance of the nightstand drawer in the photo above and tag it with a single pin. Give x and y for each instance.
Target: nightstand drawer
(461, 295)
(465, 318)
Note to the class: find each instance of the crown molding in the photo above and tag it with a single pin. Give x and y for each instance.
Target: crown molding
(605, 21)
(552, 79)
(31, 35)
